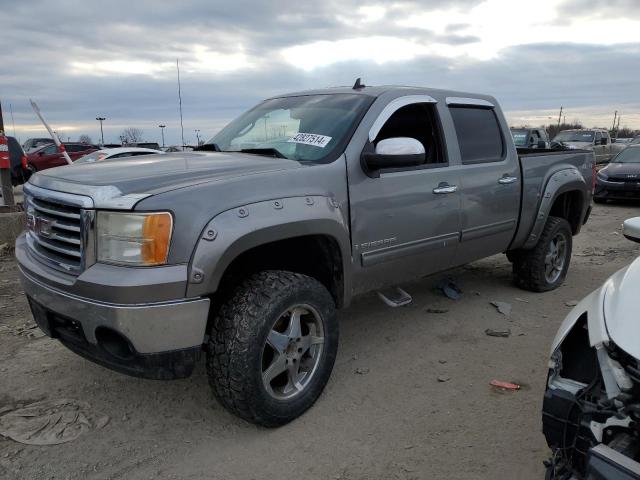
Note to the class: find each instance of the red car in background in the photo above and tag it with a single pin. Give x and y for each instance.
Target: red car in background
(48, 156)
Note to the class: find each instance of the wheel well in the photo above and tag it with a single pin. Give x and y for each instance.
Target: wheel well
(317, 256)
(569, 206)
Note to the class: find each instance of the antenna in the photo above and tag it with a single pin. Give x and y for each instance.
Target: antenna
(180, 102)
(358, 85)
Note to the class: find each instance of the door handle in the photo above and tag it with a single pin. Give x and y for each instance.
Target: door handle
(444, 188)
(507, 180)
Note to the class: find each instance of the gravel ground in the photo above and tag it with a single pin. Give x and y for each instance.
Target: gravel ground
(409, 397)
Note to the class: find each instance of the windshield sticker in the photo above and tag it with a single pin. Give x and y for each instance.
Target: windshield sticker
(310, 139)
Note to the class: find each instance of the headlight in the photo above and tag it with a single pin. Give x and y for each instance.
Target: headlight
(134, 238)
(602, 175)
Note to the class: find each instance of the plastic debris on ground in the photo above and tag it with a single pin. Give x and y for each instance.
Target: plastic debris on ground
(437, 310)
(504, 385)
(50, 422)
(502, 307)
(450, 289)
(498, 333)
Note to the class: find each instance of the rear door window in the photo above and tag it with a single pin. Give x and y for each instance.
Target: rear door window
(479, 134)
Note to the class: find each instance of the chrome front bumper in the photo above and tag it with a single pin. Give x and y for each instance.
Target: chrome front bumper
(150, 328)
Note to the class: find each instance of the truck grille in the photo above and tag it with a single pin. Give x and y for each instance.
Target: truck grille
(57, 231)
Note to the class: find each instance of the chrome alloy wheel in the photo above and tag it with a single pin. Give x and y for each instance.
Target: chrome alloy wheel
(292, 352)
(554, 259)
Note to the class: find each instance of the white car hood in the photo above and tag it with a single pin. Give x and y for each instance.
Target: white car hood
(622, 308)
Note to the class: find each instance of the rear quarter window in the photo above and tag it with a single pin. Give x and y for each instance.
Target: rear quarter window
(479, 134)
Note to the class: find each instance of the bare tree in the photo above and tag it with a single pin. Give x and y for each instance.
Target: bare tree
(131, 135)
(85, 139)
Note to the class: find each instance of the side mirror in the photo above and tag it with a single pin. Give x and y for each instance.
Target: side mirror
(631, 229)
(542, 144)
(613, 140)
(40, 154)
(397, 152)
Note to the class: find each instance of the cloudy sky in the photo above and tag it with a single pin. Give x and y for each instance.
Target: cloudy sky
(116, 59)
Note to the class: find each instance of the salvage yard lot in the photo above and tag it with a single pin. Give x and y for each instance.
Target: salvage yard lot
(409, 396)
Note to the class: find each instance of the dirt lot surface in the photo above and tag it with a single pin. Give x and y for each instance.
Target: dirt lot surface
(409, 397)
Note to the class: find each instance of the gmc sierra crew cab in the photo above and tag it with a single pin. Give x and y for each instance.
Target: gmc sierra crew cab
(246, 250)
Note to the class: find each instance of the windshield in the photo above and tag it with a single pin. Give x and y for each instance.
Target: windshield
(92, 157)
(520, 137)
(628, 155)
(305, 128)
(635, 141)
(575, 136)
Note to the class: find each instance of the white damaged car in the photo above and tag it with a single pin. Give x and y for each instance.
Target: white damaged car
(591, 410)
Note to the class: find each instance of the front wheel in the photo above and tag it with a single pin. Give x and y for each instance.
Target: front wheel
(545, 267)
(272, 347)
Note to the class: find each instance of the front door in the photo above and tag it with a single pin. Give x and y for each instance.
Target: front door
(404, 222)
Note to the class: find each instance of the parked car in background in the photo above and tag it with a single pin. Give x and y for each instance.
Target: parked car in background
(623, 141)
(596, 139)
(177, 148)
(530, 137)
(35, 143)
(48, 156)
(112, 153)
(591, 407)
(152, 145)
(18, 162)
(635, 140)
(620, 179)
(247, 250)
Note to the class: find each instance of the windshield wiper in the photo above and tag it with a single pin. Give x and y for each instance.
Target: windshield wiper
(269, 152)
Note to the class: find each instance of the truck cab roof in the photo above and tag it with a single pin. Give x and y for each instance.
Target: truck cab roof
(392, 90)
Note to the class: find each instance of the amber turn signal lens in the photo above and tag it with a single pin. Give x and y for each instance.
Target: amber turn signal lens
(156, 232)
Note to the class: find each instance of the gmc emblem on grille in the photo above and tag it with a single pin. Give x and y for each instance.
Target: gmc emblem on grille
(39, 225)
(632, 176)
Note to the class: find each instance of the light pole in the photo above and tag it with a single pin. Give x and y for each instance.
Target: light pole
(197, 137)
(162, 127)
(101, 119)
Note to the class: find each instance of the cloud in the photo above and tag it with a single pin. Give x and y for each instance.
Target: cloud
(117, 59)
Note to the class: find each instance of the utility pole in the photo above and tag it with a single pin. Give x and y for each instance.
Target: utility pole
(197, 137)
(559, 118)
(180, 103)
(615, 116)
(162, 127)
(101, 119)
(5, 170)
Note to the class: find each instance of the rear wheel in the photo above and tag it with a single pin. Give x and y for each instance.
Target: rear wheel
(272, 347)
(545, 266)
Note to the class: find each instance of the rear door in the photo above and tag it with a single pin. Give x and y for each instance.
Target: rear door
(490, 180)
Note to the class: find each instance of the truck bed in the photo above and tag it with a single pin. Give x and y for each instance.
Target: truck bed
(536, 168)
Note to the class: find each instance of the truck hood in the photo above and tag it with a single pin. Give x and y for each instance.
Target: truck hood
(621, 305)
(140, 177)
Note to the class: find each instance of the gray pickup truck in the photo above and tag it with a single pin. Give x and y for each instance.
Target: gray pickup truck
(246, 251)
